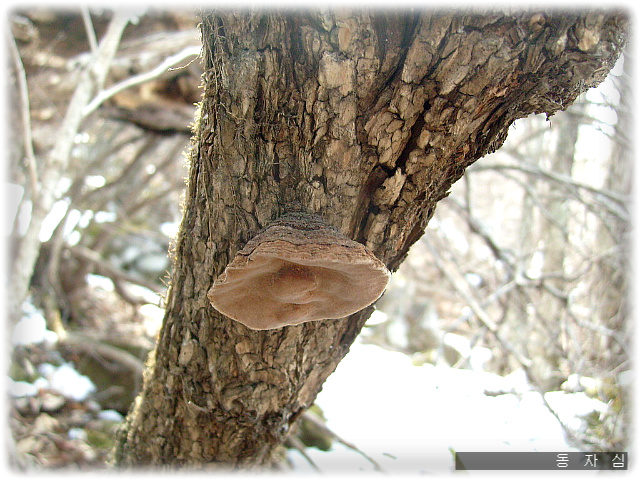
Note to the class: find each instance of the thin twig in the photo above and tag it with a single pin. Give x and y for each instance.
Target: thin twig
(459, 285)
(294, 442)
(620, 199)
(25, 112)
(317, 422)
(161, 69)
(88, 25)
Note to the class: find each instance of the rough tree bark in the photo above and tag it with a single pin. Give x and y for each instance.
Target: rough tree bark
(365, 118)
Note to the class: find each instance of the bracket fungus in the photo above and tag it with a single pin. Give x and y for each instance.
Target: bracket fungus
(297, 270)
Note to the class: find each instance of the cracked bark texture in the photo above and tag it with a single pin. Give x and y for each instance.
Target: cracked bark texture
(363, 117)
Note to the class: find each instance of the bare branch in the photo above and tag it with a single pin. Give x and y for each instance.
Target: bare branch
(96, 347)
(530, 169)
(25, 111)
(109, 270)
(88, 25)
(459, 284)
(294, 442)
(158, 71)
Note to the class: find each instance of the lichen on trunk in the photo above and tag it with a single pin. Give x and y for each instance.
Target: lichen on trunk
(363, 118)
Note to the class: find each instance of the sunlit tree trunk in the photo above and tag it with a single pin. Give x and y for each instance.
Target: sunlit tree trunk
(548, 329)
(610, 285)
(363, 118)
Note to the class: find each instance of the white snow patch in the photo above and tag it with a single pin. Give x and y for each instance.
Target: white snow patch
(153, 316)
(67, 381)
(12, 198)
(105, 217)
(409, 418)
(376, 318)
(77, 434)
(146, 294)
(95, 181)
(110, 416)
(22, 389)
(32, 327)
(53, 218)
(100, 281)
(170, 229)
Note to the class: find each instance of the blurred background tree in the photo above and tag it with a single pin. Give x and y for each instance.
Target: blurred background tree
(528, 258)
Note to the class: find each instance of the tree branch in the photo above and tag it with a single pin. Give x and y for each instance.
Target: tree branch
(156, 72)
(621, 200)
(88, 25)
(25, 114)
(109, 270)
(461, 287)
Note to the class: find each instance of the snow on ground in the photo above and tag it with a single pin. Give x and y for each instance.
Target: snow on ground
(32, 327)
(408, 418)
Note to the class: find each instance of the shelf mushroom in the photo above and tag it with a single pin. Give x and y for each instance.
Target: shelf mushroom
(297, 270)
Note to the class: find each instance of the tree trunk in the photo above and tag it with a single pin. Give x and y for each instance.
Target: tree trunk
(363, 118)
(551, 235)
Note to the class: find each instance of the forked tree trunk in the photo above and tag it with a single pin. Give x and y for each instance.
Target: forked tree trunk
(365, 118)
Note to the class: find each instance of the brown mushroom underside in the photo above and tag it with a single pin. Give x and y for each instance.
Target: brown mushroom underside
(298, 270)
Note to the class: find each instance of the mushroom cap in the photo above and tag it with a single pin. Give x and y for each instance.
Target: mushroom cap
(298, 270)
